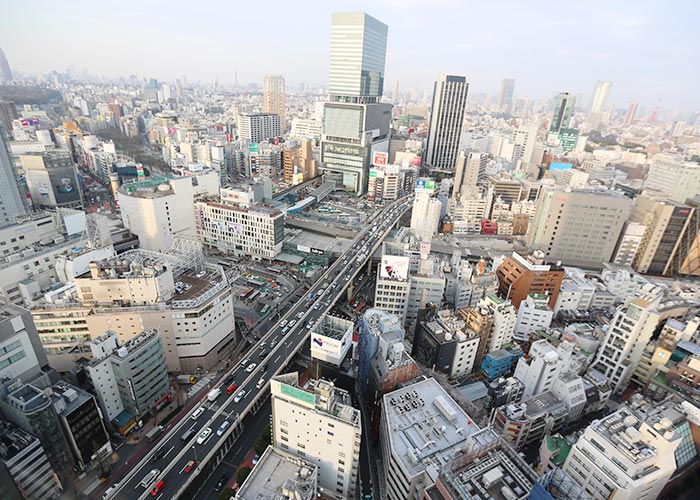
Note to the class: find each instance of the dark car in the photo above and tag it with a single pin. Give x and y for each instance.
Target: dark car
(230, 379)
(221, 483)
(158, 455)
(264, 367)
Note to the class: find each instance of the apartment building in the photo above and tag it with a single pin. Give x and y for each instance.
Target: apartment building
(520, 276)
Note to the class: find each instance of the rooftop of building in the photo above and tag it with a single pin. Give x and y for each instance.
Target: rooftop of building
(559, 446)
(216, 202)
(488, 468)
(137, 343)
(317, 241)
(446, 327)
(279, 475)
(13, 440)
(323, 395)
(153, 187)
(26, 397)
(545, 403)
(427, 427)
(67, 398)
(333, 326)
(381, 322)
(622, 430)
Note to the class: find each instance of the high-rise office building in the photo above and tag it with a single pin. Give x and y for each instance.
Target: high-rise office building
(25, 471)
(563, 111)
(505, 95)
(665, 223)
(631, 111)
(10, 199)
(317, 422)
(599, 97)
(30, 409)
(446, 119)
(274, 97)
(8, 113)
(355, 122)
(5, 73)
(578, 226)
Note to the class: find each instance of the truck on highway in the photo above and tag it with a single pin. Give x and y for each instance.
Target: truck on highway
(154, 433)
(213, 394)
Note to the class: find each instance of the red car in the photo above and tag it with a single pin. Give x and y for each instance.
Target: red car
(232, 388)
(190, 465)
(158, 488)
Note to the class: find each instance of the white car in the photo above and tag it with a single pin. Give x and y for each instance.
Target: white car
(204, 436)
(251, 367)
(300, 314)
(201, 274)
(239, 396)
(198, 413)
(292, 323)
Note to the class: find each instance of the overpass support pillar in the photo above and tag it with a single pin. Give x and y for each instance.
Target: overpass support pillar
(369, 266)
(349, 292)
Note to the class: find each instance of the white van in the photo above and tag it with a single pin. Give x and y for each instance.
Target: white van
(150, 477)
(260, 383)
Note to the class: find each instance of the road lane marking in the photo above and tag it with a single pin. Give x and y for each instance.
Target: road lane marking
(166, 453)
(277, 358)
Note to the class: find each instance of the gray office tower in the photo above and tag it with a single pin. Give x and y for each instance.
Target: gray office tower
(505, 95)
(446, 118)
(355, 122)
(10, 199)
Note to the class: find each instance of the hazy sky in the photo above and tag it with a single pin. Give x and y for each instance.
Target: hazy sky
(643, 47)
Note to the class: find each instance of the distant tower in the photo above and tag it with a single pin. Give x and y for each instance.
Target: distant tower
(446, 117)
(655, 111)
(395, 93)
(273, 96)
(631, 111)
(563, 111)
(505, 95)
(5, 73)
(599, 98)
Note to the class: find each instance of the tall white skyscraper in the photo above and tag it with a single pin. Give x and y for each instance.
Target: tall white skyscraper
(446, 118)
(274, 97)
(10, 200)
(599, 97)
(355, 122)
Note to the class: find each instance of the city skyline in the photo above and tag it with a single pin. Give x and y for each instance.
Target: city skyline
(543, 55)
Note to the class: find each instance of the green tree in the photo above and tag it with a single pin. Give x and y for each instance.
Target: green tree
(242, 474)
(226, 494)
(263, 441)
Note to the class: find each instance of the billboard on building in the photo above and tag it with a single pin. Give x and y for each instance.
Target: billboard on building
(394, 267)
(380, 158)
(425, 184)
(331, 349)
(560, 166)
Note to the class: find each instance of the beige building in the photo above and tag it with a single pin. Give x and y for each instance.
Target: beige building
(672, 175)
(317, 423)
(274, 97)
(578, 227)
